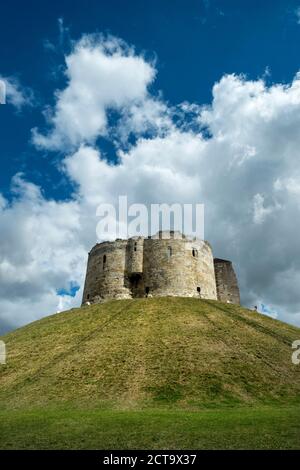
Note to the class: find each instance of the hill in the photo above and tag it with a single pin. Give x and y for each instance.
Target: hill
(168, 373)
(167, 352)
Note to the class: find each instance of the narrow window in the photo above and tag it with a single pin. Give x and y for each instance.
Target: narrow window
(104, 261)
(199, 291)
(135, 245)
(169, 252)
(195, 252)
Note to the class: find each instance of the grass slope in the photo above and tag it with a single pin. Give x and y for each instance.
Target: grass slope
(155, 373)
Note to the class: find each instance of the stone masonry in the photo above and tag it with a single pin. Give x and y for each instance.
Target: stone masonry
(226, 281)
(166, 264)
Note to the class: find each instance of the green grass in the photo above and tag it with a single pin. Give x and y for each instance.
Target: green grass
(154, 373)
(259, 428)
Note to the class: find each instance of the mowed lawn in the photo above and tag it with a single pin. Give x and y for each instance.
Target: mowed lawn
(239, 428)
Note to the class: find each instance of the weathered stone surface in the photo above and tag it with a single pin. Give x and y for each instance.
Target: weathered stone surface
(177, 267)
(226, 280)
(105, 272)
(167, 264)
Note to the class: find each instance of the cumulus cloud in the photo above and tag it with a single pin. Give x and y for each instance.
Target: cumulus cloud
(238, 155)
(102, 74)
(260, 212)
(40, 251)
(15, 94)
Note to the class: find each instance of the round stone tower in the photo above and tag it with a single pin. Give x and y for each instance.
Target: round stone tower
(105, 277)
(167, 264)
(177, 266)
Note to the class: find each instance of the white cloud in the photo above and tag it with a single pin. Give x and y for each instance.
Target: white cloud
(16, 94)
(149, 115)
(260, 211)
(102, 75)
(246, 173)
(291, 185)
(40, 251)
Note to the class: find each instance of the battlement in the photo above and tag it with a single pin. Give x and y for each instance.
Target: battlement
(164, 264)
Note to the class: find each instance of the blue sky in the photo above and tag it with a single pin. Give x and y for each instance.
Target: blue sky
(195, 44)
(209, 112)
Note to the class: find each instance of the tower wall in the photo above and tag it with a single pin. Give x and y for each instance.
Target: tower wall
(162, 265)
(226, 280)
(178, 267)
(134, 266)
(134, 255)
(105, 277)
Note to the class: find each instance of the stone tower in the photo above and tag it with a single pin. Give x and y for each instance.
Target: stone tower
(166, 264)
(226, 281)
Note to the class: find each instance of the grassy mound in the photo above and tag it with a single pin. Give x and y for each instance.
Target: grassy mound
(167, 352)
(151, 373)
